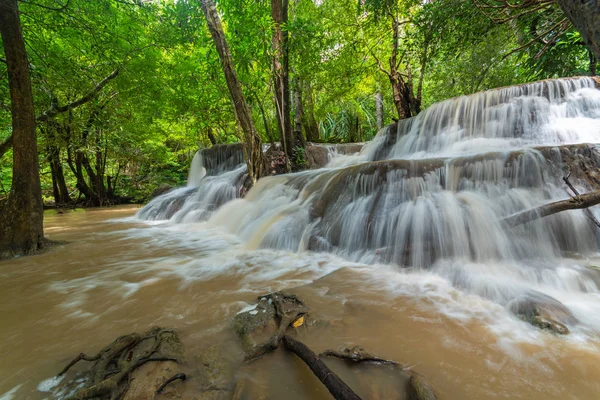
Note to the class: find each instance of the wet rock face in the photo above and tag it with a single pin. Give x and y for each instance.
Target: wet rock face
(543, 312)
(162, 189)
(316, 156)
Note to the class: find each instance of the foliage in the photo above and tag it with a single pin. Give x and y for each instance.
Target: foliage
(170, 96)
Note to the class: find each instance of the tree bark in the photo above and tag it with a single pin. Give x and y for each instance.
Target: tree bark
(21, 225)
(585, 16)
(252, 142)
(310, 125)
(299, 115)
(401, 90)
(280, 42)
(379, 109)
(574, 203)
(334, 384)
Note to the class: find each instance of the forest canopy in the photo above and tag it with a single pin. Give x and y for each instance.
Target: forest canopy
(126, 91)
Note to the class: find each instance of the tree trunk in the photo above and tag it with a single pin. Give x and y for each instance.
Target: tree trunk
(400, 89)
(585, 16)
(379, 109)
(252, 142)
(299, 117)
(59, 186)
(279, 13)
(310, 125)
(21, 225)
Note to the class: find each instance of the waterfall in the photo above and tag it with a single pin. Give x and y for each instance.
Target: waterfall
(197, 170)
(216, 177)
(430, 193)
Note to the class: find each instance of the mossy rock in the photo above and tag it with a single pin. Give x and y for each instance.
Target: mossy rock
(417, 388)
(543, 312)
(255, 326)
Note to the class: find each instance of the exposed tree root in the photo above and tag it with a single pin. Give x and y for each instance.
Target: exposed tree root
(175, 377)
(334, 384)
(110, 375)
(289, 312)
(358, 355)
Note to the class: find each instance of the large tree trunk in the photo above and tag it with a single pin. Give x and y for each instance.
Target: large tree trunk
(59, 186)
(279, 13)
(400, 89)
(585, 16)
(252, 141)
(21, 222)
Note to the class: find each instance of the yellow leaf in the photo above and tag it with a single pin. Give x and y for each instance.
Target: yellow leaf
(298, 322)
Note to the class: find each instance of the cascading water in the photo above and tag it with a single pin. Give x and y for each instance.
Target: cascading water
(215, 177)
(197, 170)
(430, 194)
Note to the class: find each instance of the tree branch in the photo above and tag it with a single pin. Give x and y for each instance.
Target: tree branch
(54, 110)
(574, 203)
(6, 145)
(61, 8)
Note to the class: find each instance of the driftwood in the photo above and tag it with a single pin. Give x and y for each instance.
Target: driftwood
(334, 384)
(574, 203)
(358, 355)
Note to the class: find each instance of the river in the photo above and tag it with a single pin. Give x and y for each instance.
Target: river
(118, 275)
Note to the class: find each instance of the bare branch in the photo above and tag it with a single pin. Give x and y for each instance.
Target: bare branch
(61, 8)
(574, 203)
(53, 111)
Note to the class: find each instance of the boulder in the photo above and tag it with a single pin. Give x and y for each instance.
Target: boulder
(543, 312)
(261, 328)
(417, 388)
(162, 189)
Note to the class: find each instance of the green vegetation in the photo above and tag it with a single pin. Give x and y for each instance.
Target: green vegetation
(170, 96)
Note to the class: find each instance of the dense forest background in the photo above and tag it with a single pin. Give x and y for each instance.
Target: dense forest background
(126, 91)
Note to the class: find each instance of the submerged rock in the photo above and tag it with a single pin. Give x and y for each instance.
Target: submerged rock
(261, 328)
(255, 326)
(543, 312)
(417, 388)
(215, 375)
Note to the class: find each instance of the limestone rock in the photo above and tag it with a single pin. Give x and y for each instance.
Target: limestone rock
(543, 312)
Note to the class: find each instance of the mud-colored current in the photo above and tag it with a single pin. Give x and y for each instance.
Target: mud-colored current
(118, 275)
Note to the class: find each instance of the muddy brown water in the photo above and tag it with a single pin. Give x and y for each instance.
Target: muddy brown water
(118, 277)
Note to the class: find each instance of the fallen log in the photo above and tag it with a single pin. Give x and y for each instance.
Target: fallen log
(334, 384)
(574, 203)
(576, 193)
